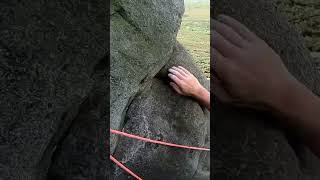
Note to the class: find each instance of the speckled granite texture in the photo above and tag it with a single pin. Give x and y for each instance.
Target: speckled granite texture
(53, 105)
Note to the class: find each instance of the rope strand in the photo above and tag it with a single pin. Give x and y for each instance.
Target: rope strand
(151, 141)
(156, 141)
(124, 168)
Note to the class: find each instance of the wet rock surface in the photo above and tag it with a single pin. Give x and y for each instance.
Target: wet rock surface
(250, 144)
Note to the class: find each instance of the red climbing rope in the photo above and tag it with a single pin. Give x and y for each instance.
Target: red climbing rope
(151, 141)
(125, 168)
(156, 141)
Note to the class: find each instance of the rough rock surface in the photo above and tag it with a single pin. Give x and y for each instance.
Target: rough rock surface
(142, 38)
(316, 57)
(305, 15)
(249, 144)
(143, 47)
(53, 97)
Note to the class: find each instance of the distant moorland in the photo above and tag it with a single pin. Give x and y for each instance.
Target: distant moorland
(194, 33)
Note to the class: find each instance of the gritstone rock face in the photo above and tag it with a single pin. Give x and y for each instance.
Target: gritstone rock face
(54, 102)
(143, 47)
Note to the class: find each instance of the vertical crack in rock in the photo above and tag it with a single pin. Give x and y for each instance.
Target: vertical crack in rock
(48, 51)
(82, 145)
(144, 84)
(143, 47)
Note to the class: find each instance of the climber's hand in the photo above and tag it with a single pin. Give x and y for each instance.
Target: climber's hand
(247, 70)
(183, 82)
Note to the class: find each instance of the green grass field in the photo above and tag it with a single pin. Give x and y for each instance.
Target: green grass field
(194, 33)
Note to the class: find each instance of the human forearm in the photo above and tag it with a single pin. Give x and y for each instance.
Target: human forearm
(203, 97)
(301, 109)
(187, 84)
(251, 73)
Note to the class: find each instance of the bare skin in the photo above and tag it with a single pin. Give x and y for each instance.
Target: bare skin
(186, 84)
(250, 73)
